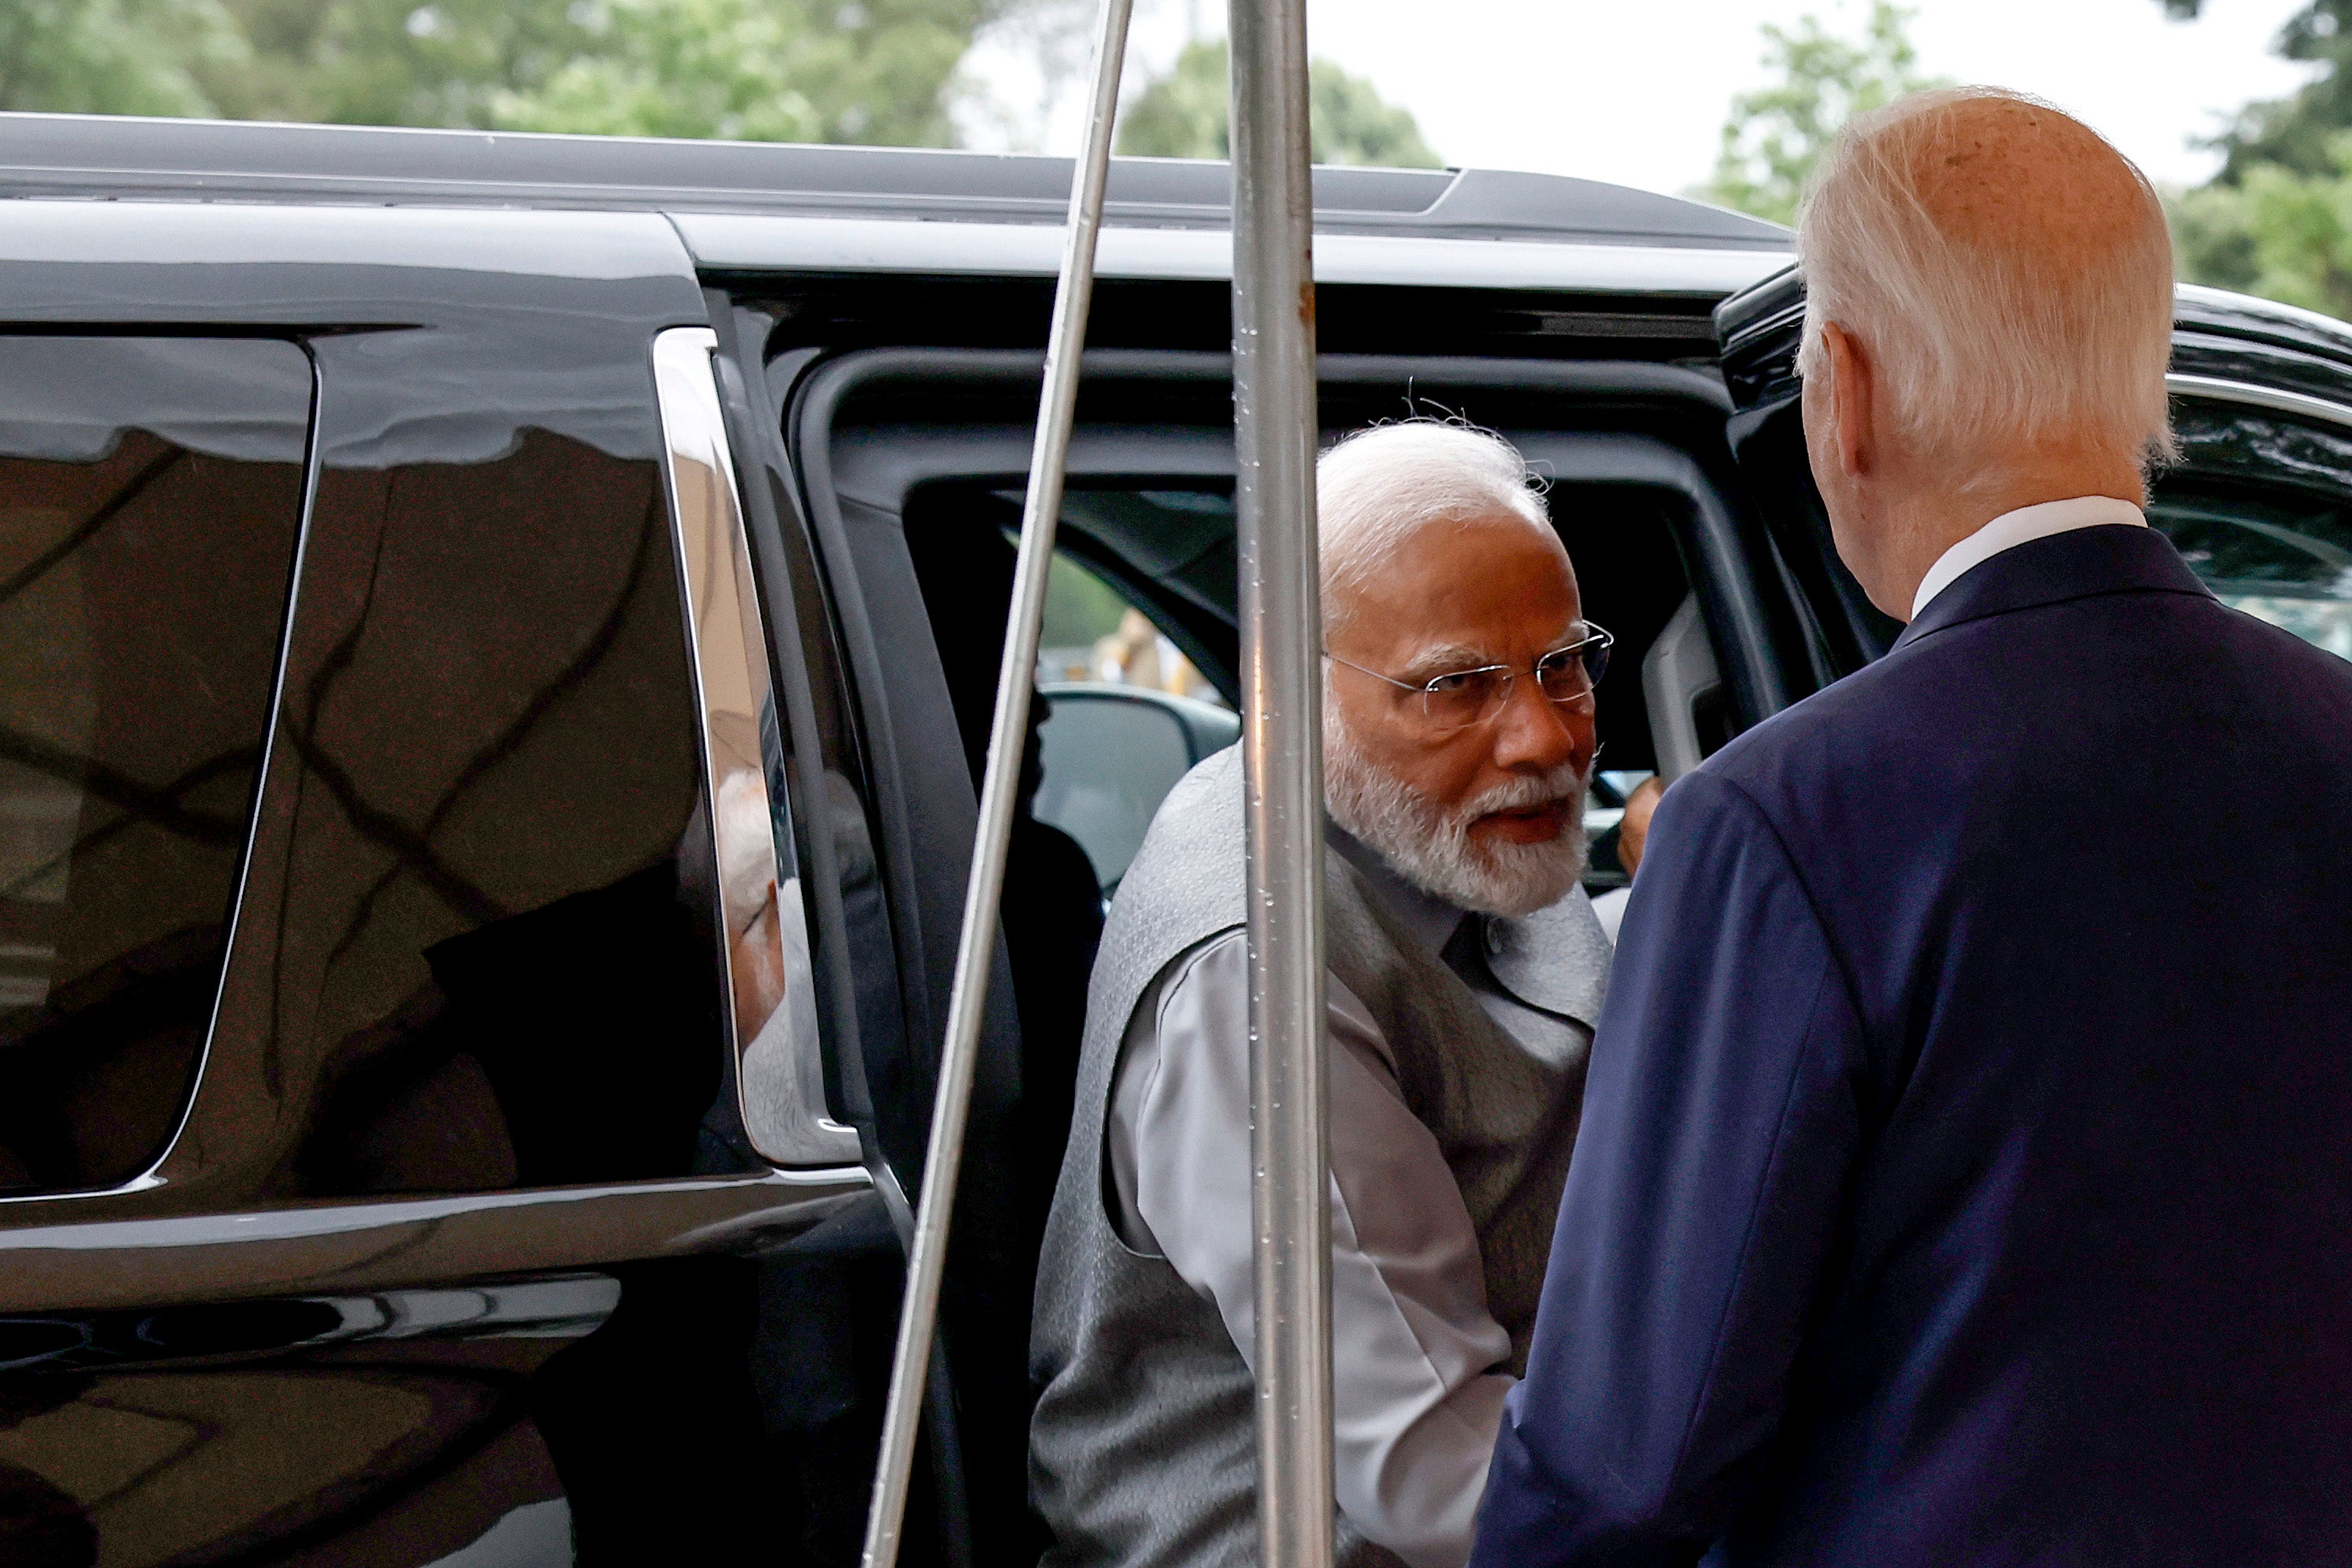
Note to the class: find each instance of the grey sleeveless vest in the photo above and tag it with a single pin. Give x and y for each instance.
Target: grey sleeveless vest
(1143, 1453)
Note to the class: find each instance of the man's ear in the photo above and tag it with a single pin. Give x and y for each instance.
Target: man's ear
(1853, 399)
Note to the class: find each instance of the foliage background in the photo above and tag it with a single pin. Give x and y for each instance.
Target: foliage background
(2277, 220)
(1776, 134)
(1182, 114)
(880, 71)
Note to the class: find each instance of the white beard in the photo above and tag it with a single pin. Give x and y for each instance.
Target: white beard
(1432, 848)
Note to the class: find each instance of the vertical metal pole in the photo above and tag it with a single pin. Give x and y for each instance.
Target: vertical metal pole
(999, 783)
(1281, 750)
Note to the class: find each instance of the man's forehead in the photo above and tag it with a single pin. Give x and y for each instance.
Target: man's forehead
(1487, 587)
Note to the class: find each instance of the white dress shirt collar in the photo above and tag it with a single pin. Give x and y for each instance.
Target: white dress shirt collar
(2020, 526)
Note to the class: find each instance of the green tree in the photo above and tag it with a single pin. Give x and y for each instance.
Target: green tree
(2277, 232)
(393, 62)
(2301, 228)
(827, 70)
(1776, 134)
(2298, 132)
(2213, 236)
(1182, 114)
(2277, 219)
(114, 57)
(775, 71)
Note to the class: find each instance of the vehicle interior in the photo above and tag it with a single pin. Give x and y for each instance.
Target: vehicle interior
(913, 463)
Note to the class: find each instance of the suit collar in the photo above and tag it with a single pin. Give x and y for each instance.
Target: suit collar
(2078, 564)
(2017, 527)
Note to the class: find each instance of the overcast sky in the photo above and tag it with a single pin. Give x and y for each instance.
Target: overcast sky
(1634, 92)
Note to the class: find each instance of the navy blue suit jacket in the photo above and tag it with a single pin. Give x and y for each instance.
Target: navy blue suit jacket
(1966, 1169)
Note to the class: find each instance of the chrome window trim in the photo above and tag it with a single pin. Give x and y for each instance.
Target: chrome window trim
(780, 1076)
(2221, 391)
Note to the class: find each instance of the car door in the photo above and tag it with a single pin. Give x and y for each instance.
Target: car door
(1760, 329)
(901, 469)
(416, 1145)
(2261, 406)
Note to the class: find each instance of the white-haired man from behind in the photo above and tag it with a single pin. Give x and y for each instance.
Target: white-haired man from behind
(1465, 970)
(1965, 1178)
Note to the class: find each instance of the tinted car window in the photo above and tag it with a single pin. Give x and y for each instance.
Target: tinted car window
(1122, 706)
(2283, 557)
(1094, 632)
(149, 493)
(2261, 508)
(498, 943)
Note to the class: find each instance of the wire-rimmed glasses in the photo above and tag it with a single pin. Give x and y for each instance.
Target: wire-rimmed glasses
(1460, 699)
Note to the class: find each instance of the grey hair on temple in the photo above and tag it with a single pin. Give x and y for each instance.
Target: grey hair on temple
(1378, 488)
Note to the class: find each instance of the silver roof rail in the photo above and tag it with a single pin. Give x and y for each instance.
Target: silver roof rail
(1275, 430)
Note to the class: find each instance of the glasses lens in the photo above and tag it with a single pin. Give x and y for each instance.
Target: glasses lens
(1465, 697)
(1594, 652)
(1562, 677)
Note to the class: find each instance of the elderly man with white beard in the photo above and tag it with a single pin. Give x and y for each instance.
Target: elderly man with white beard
(1465, 971)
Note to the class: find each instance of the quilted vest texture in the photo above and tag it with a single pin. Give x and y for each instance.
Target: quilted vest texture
(1143, 1451)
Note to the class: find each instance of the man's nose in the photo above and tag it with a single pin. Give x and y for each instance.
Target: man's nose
(1536, 733)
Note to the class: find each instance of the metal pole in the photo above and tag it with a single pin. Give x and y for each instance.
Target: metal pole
(1281, 750)
(999, 783)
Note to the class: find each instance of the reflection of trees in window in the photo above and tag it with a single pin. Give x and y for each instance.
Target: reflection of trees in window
(141, 591)
(414, 850)
(486, 956)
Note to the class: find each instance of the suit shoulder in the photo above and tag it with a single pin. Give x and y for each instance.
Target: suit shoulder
(1765, 751)
(2265, 641)
(1204, 804)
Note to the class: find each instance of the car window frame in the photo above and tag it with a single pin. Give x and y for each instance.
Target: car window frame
(234, 926)
(314, 275)
(911, 730)
(2230, 401)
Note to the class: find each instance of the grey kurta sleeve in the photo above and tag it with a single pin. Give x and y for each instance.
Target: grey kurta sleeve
(1417, 1391)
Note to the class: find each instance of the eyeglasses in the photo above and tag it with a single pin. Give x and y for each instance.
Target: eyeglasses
(1462, 698)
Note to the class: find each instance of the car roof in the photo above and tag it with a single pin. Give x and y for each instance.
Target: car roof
(102, 156)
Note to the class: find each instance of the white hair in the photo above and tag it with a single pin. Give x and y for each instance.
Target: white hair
(1983, 342)
(1378, 488)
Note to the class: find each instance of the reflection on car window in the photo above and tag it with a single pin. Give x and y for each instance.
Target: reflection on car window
(150, 492)
(1127, 713)
(2259, 510)
(2286, 560)
(497, 952)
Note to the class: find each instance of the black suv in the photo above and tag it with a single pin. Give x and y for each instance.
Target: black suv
(496, 640)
